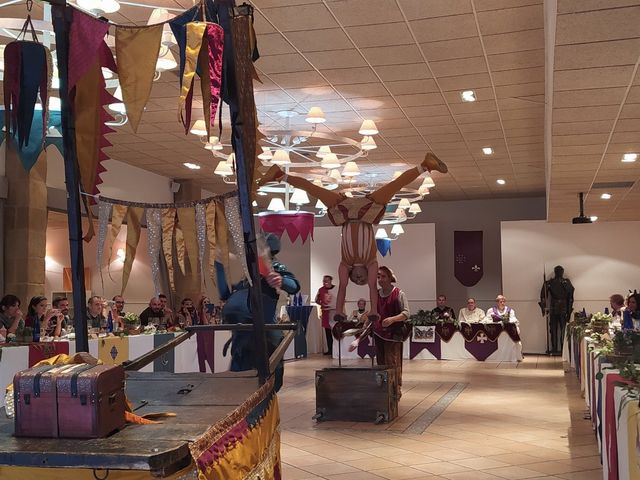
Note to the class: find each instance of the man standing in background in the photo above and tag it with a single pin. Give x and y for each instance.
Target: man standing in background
(326, 298)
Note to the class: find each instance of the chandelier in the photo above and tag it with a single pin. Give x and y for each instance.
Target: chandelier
(324, 158)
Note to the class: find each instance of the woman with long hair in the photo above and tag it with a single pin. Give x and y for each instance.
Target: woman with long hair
(10, 314)
(40, 316)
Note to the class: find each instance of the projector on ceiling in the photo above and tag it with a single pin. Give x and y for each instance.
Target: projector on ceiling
(581, 219)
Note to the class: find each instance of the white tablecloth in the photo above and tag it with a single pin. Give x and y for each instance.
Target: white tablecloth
(454, 349)
(15, 359)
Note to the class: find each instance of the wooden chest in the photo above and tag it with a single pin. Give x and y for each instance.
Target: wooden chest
(357, 394)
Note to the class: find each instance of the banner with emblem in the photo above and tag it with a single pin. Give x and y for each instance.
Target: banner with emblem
(113, 350)
(423, 333)
(467, 257)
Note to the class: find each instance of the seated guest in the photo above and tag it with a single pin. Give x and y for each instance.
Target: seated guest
(44, 318)
(95, 316)
(471, 314)
(153, 314)
(10, 314)
(617, 306)
(62, 304)
(633, 306)
(206, 311)
(501, 311)
(188, 314)
(442, 311)
(168, 313)
(360, 315)
(119, 303)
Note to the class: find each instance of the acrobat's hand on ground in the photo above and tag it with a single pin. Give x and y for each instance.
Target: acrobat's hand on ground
(354, 345)
(431, 163)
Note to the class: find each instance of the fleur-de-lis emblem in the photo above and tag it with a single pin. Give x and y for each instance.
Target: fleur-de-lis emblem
(113, 352)
(475, 268)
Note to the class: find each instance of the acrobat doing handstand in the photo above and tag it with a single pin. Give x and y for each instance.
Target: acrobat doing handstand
(357, 216)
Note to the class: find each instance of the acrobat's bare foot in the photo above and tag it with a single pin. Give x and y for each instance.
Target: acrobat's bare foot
(354, 345)
(431, 163)
(274, 173)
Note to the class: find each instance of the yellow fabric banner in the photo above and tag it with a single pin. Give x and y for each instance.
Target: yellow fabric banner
(195, 32)
(187, 219)
(117, 216)
(137, 52)
(133, 237)
(211, 238)
(180, 249)
(168, 226)
(113, 350)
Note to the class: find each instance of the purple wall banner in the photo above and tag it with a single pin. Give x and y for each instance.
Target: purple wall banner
(467, 257)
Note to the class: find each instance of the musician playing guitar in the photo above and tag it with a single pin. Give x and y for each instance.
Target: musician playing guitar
(391, 328)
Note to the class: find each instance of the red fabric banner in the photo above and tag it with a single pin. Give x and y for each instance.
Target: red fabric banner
(298, 224)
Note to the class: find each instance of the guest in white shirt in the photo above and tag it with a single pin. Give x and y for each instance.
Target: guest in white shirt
(471, 314)
(501, 311)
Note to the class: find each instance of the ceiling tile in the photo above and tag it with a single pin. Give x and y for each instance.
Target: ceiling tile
(511, 61)
(404, 87)
(364, 12)
(373, 89)
(462, 66)
(349, 76)
(418, 9)
(300, 17)
(274, 44)
(597, 26)
(411, 71)
(465, 82)
(452, 49)
(521, 75)
(419, 99)
(297, 80)
(444, 28)
(511, 19)
(336, 59)
(320, 40)
(592, 78)
(290, 62)
(596, 96)
(598, 54)
(380, 35)
(392, 55)
(514, 41)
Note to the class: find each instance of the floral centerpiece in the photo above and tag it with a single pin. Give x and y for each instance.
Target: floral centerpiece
(131, 323)
(600, 322)
(627, 344)
(422, 318)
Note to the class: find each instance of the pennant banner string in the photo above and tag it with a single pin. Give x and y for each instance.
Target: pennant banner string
(192, 203)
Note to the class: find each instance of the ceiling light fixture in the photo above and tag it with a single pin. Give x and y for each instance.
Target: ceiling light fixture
(315, 115)
(487, 150)
(214, 144)
(428, 182)
(501, 181)
(350, 169)
(415, 208)
(468, 96)
(192, 166)
(404, 204)
(223, 169)
(368, 143)
(281, 157)
(581, 218)
(276, 205)
(605, 196)
(629, 157)
(381, 233)
(99, 7)
(299, 197)
(329, 161)
(198, 128)
(323, 151)
(368, 127)
(593, 218)
(397, 230)
(266, 154)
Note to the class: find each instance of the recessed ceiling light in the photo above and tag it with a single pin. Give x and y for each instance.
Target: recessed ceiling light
(629, 157)
(468, 96)
(487, 150)
(192, 166)
(500, 181)
(605, 196)
(594, 218)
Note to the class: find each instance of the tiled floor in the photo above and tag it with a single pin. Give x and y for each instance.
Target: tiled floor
(510, 422)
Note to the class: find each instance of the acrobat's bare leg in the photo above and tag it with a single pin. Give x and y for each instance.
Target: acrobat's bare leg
(343, 281)
(384, 194)
(275, 173)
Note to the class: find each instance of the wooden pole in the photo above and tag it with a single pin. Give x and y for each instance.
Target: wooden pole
(62, 16)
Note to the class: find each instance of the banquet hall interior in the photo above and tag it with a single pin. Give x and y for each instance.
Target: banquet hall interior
(534, 107)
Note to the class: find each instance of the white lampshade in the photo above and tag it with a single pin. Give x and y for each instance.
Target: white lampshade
(404, 204)
(276, 205)
(231, 158)
(99, 7)
(212, 143)
(223, 169)
(348, 194)
(217, 145)
(254, 204)
(329, 161)
(161, 15)
(368, 127)
(2, 47)
(350, 169)
(415, 208)
(266, 154)
(428, 182)
(119, 106)
(401, 214)
(397, 229)
(368, 143)
(315, 115)
(381, 233)
(323, 150)
(281, 157)
(396, 174)
(166, 62)
(320, 205)
(299, 197)
(335, 174)
(198, 128)
(318, 182)
(423, 190)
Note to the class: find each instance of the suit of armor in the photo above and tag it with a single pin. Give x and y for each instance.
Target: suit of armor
(556, 296)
